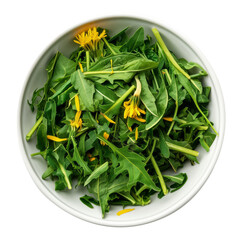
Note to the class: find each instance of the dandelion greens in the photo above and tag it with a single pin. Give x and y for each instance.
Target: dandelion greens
(120, 116)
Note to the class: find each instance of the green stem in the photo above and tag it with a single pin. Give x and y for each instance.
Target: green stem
(201, 74)
(142, 188)
(167, 53)
(170, 57)
(174, 115)
(160, 177)
(34, 128)
(121, 99)
(169, 80)
(37, 153)
(182, 149)
(108, 45)
(153, 148)
(128, 197)
(202, 128)
(199, 109)
(87, 60)
(155, 79)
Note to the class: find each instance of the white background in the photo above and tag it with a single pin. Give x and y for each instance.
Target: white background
(27, 28)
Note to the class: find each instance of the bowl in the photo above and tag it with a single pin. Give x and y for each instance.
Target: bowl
(158, 208)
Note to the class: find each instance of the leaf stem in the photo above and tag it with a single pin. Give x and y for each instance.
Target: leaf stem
(142, 188)
(153, 148)
(200, 110)
(87, 60)
(34, 128)
(37, 153)
(160, 177)
(168, 54)
(170, 57)
(182, 149)
(108, 45)
(174, 115)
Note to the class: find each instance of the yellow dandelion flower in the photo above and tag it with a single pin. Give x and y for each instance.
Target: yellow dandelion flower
(106, 136)
(77, 103)
(77, 122)
(81, 67)
(89, 40)
(136, 134)
(131, 106)
(107, 118)
(91, 158)
(56, 139)
(169, 119)
(124, 211)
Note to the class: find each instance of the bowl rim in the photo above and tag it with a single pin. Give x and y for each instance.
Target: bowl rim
(183, 200)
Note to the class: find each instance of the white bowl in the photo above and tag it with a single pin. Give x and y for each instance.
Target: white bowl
(158, 208)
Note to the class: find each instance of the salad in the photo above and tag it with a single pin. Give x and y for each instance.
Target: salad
(120, 116)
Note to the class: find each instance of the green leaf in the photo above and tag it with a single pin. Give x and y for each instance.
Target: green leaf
(48, 172)
(176, 186)
(187, 85)
(77, 157)
(180, 178)
(102, 188)
(146, 95)
(97, 172)
(63, 67)
(56, 160)
(87, 200)
(135, 41)
(120, 34)
(175, 164)
(161, 103)
(124, 67)
(50, 70)
(37, 97)
(206, 140)
(81, 145)
(191, 65)
(64, 96)
(50, 112)
(133, 163)
(85, 89)
(42, 142)
(107, 93)
(163, 145)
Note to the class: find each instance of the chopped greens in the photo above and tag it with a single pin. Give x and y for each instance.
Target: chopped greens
(118, 113)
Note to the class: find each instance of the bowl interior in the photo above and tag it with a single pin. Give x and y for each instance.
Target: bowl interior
(158, 208)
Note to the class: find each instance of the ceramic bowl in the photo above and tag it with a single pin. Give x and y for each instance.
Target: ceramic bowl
(158, 208)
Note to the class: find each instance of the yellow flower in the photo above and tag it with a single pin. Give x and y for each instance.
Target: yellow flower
(89, 40)
(107, 118)
(81, 67)
(136, 134)
(124, 211)
(77, 122)
(77, 103)
(169, 119)
(131, 106)
(56, 139)
(106, 136)
(91, 158)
